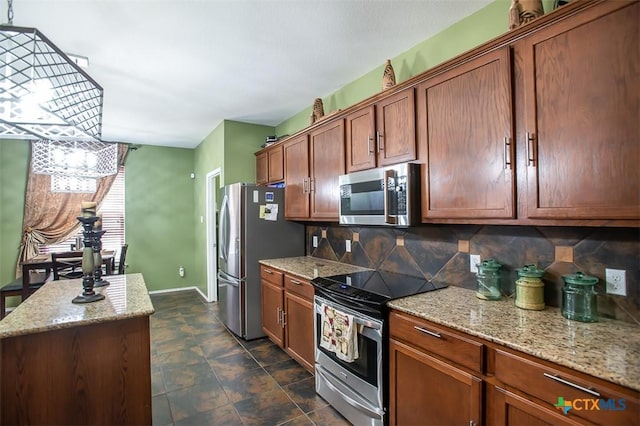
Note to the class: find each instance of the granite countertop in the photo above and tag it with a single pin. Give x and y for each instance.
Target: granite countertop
(50, 307)
(310, 267)
(606, 349)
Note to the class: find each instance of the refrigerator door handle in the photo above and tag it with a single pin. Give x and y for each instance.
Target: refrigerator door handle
(229, 279)
(224, 232)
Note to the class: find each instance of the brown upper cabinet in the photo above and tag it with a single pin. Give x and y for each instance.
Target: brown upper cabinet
(270, 165)
(383, 133)
(581, 106)
(465, 132)
(296, 177)
(262, 167)
(536, 127)
(313, 163)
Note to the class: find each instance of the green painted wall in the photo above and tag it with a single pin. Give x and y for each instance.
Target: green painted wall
(14, 163)
(484, 25)
(159, 224)
(229, 147)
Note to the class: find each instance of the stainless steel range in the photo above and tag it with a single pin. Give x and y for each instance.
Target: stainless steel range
(357, 387)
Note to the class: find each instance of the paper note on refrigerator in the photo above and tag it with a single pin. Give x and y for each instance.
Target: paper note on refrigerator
(271, 212)
(263, 210)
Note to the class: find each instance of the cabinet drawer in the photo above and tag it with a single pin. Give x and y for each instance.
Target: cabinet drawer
(272, 275)
(424, 335)
(594, 401)
(298, 286)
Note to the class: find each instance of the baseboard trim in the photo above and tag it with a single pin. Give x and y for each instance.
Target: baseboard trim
(175, 290)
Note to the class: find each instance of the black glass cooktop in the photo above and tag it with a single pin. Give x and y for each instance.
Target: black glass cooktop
(371, 289)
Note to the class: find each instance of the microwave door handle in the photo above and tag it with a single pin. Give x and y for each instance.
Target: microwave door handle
(388, 218)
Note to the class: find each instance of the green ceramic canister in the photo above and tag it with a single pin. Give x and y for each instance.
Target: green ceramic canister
(579, 297)
(530, 288)
(488, 276)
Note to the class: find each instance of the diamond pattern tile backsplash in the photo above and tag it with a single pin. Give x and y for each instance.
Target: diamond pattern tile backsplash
(441, 253)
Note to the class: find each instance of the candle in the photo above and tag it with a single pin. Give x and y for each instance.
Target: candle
(88, 208)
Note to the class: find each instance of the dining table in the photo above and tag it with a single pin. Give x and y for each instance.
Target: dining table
(43, 261)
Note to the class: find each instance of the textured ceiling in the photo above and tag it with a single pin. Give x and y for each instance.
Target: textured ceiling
(172, 70)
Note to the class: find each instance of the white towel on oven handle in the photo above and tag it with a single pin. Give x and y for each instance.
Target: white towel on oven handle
(339, 334)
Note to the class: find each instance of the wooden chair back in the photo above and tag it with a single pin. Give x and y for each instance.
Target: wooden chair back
(66, 265)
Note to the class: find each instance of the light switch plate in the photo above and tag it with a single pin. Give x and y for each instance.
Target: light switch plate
(315, 241)
(347, 244)
(474, 259)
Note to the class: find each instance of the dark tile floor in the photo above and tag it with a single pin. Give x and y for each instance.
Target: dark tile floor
(201, 374)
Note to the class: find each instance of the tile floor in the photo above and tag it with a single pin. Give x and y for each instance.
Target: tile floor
(201, 374)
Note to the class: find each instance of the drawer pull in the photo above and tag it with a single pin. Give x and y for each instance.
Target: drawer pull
(430, 333)
(573, 385)
(268, 271)
(296, 282)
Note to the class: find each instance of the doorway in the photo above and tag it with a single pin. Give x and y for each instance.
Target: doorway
(212, 186)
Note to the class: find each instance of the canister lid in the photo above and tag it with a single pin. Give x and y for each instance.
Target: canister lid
(530, 271)
(489, 265)
(580, 279)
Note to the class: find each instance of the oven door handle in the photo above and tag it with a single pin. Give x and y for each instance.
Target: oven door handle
(337, 303)
(360, 321)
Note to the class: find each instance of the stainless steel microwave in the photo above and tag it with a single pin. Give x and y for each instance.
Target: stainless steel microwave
(383, 196)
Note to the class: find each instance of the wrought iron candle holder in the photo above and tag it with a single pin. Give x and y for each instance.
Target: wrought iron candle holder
(98, 281)
(88, 270)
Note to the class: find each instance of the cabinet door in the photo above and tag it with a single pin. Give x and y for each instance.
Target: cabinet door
(423, 388)
(276, 164)
(299, 329)
(582, 103)
(396, 128)
(272, 312)
(262, 165)
(360, 140)
(327, 163)
(508, 408)
(465, 129)
(296, 176)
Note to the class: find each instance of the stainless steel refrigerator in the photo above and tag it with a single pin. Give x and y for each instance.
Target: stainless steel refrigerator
(252, 227)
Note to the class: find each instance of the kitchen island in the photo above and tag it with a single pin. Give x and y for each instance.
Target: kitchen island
(65, 363)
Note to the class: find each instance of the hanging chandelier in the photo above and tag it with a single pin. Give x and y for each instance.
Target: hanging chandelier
(86, 159)
(43, 93)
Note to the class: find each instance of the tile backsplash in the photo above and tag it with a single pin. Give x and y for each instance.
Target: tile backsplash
(441, 253)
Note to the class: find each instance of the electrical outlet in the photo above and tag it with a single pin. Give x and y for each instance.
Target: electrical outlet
(315, 241)
(347, 244)
(616, 281)
(474, 259)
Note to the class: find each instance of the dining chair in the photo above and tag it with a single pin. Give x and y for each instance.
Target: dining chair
(123, 256)
(66, 265)
(33, 277)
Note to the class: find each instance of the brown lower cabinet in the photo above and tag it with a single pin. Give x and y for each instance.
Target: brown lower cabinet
(287, 313)
(440, 376)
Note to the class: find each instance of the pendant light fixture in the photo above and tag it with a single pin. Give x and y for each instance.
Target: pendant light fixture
(43, 93)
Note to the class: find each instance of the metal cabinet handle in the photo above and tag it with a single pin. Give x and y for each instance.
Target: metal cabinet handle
(379, 137)
(573, 385)
(284, 319)
(369, 140)
(531, 156)
(268, 271)
(295, 282)
(305, 186)
(312, 185)
(507, 152)
(278, 310)
(430, 333)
